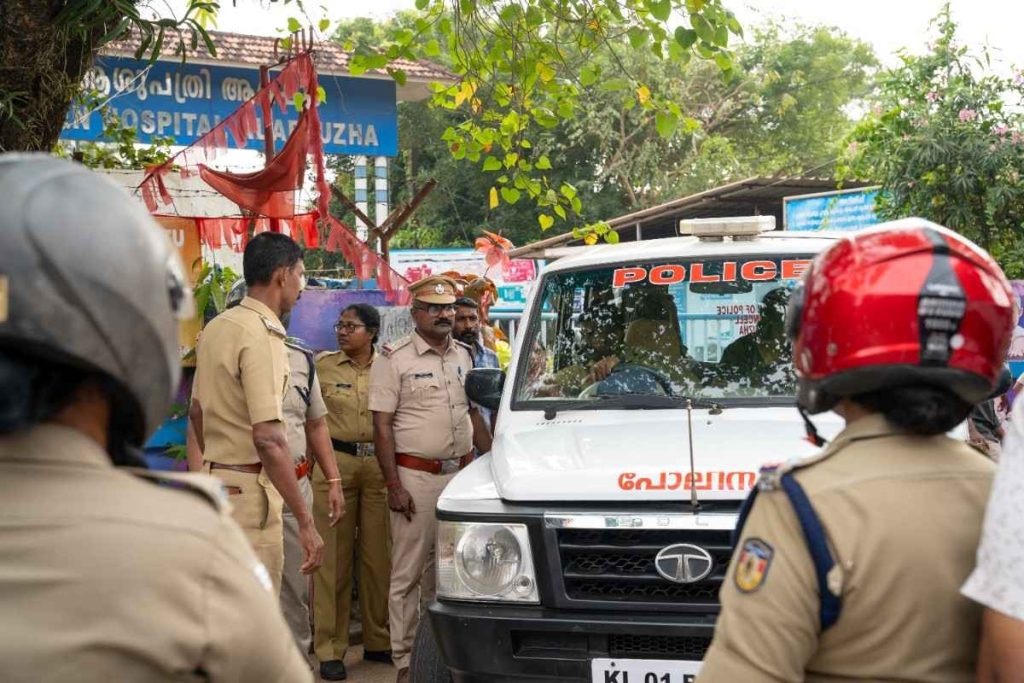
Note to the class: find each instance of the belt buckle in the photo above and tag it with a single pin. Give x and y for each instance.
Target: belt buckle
(364, 449)
(450, 466)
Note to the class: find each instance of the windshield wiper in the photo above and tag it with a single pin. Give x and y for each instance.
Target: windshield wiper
(635, 401)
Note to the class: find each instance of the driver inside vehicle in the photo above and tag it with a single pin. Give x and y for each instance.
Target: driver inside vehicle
(596, 351)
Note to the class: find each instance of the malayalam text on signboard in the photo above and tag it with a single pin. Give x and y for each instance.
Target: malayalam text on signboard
(185, 101)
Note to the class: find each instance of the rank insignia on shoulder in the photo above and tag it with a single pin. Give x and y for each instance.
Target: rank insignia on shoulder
(769, 475)
(752, 564)
(391, 347)
(274, 327)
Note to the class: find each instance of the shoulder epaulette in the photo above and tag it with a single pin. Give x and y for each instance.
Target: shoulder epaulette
(770, 475)
(325, 354)
(206, 487)
(463, 344)
(389, 348)
(274, 327)
(293, 343)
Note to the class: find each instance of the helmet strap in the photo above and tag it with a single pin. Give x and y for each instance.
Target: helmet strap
(812, 432)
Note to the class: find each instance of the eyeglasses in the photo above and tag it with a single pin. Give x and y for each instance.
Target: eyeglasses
(436, 309)
(347, 327)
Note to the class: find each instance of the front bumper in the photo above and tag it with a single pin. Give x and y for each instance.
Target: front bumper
(497, 643)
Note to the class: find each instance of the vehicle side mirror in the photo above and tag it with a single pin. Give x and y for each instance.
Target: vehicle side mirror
(484, 385)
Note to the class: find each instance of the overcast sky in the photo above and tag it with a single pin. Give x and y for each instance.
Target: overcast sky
(888, 25)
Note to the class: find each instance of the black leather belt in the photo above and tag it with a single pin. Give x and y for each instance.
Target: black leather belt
(350, 447)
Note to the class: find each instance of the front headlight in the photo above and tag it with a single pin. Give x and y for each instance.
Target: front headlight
(485, 561)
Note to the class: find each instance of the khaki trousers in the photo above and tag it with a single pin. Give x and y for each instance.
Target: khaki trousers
(413, 577)
(295, 584)
(366, 523)
(256, 507)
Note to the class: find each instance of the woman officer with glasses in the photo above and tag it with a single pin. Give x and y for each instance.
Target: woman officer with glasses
(345, 381)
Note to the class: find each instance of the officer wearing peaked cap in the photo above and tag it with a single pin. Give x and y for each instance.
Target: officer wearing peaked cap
(848, 564)
(108, 573)
(424, 431)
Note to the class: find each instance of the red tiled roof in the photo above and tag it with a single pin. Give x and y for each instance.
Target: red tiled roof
(238, 48)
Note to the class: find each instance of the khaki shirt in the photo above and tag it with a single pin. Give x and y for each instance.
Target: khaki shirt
(106, 576)
(241, 374)
(903, 515)
(425, 392)
(302, 400)
(346, 389)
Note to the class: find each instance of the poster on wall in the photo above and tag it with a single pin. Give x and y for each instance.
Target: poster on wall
(514, 282)
(184, 234)
(1015, 357)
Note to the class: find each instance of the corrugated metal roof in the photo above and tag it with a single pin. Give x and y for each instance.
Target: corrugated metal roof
(746, 197)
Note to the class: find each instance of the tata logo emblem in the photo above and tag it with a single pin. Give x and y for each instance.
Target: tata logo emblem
(683, 563)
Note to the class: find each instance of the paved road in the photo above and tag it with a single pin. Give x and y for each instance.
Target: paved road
(366, 672)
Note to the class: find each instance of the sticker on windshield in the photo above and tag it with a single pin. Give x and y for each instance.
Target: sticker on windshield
(674, 273)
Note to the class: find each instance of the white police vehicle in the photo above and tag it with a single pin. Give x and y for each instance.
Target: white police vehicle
(651, 382)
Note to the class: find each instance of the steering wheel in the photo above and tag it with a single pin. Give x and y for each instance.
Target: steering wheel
(630, 378)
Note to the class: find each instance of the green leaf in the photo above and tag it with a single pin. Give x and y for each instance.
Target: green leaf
(559, 211)
(661, 9)
(568, 191)
(611, 237)
(685, 37)
(510, 195)
(432, 48)
(293, 25)
(638, 37)
(422, 4)
(324, 24)
(492, 164)
(665, 123)
(545, 221)
(704, 30)
(321, 94)
(298, 100)
(543, 163)
(721, 35)
(589, 75)
(614, 84)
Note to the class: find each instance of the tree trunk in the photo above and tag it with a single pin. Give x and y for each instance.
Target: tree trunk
(41, 69)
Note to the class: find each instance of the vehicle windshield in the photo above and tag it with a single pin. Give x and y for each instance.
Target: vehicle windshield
(708, 328)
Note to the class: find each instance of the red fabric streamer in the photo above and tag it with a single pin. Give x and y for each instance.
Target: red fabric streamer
(233, 231)
(271, 190)
(367, 263)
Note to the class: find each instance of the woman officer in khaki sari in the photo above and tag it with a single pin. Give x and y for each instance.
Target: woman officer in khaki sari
(345, 382)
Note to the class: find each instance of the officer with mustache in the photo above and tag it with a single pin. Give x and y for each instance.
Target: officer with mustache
(425, 430)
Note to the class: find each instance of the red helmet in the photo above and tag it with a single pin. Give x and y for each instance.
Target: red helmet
(908, 302)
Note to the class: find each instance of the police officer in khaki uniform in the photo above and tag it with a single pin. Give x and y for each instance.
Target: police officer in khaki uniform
(305, 423)
(424, 430)
(237, 397)
(108, 573)
(849, 563)
(345, 378)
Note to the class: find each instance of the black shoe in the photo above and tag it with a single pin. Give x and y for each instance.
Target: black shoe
(333, 670)
(382, 656)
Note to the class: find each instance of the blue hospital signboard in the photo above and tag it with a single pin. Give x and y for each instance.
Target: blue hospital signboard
(842, 210)
(185, 101)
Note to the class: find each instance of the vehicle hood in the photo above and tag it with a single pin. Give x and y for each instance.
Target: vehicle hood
(644, 454)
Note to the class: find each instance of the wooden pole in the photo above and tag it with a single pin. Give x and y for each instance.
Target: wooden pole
(268, 134)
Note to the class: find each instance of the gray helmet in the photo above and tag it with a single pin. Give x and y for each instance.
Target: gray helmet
(91, 281)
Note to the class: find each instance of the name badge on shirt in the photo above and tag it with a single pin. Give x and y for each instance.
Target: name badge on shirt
(422, 375)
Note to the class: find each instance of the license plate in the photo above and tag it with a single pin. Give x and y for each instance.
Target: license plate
(643, 671)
